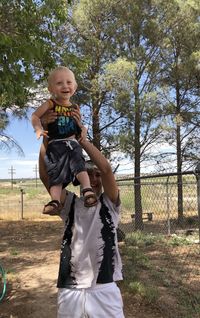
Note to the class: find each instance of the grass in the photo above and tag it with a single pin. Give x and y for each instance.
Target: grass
(155, 266)
(140, 239)
(15, 204)
(148, 293)
(176, 240)
(148, 276)
(154, 201)
(14, 252)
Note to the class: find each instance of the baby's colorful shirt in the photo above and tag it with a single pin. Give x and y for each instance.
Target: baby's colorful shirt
(65, 125)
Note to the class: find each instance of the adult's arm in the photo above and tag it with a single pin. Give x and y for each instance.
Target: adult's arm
(42, 168)
(108, 180)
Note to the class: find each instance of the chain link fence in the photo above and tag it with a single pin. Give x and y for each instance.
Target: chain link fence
(160, 204)
(169, 240)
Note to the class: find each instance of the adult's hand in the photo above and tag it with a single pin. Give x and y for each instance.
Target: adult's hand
(48, 117)
(83, 135)
(76, 114)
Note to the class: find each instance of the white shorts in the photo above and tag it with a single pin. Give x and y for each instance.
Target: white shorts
(101, 301)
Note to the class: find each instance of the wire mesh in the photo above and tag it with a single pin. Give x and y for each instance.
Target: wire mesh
(170, 233)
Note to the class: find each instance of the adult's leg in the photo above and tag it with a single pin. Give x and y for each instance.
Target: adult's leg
(104, 300)
(71, 303)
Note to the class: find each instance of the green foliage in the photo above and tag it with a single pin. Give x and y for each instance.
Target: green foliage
(135, 262)
(180, 75)
(149, 278)
(141, 239)
(127, 59)
(91, 36)
(149, 293)
(14, 252)
(176, 240)
(189, 303)
(28, 30)
(28, 39)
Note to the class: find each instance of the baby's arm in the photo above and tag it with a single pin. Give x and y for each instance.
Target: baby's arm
(36, 122)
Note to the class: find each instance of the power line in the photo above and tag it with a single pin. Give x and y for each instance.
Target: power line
(11, 171)
(36, 174)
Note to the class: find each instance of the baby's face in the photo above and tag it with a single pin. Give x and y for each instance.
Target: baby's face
(62, 85)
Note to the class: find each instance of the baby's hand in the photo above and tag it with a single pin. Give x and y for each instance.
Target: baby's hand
(41, 132)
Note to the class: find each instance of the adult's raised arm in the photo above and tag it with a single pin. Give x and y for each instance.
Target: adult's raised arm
(108, 180)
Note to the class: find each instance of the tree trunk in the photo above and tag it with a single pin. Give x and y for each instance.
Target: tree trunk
(179, 177)
(96, 126)
(137, 182)
(179, 155)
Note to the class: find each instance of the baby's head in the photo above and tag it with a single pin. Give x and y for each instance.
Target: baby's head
(61, 75)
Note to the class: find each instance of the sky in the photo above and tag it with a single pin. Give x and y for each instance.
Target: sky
(25, 167)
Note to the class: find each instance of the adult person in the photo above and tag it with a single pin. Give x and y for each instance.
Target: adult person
(90, 263)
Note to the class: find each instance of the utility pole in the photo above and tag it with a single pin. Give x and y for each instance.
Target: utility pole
(11, 171)
(36, 174)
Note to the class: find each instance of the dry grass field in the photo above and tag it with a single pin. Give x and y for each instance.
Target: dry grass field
(30, 255)
(161, 272)
(153, 285)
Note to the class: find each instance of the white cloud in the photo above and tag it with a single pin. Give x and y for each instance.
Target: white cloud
(22, 168)
(24, 162)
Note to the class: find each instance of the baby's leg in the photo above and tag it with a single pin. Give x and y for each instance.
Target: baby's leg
(55, 192)
(54, 207)
(90, 198)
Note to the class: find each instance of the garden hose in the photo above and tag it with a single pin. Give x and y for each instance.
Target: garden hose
(3, 279)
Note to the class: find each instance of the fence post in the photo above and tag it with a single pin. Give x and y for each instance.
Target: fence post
(22, 203)
(197, 174)
(168, 212)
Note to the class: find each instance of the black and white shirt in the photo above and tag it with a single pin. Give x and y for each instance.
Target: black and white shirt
(89, 250)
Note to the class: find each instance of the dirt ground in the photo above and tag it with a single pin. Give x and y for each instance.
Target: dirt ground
(29, 252)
